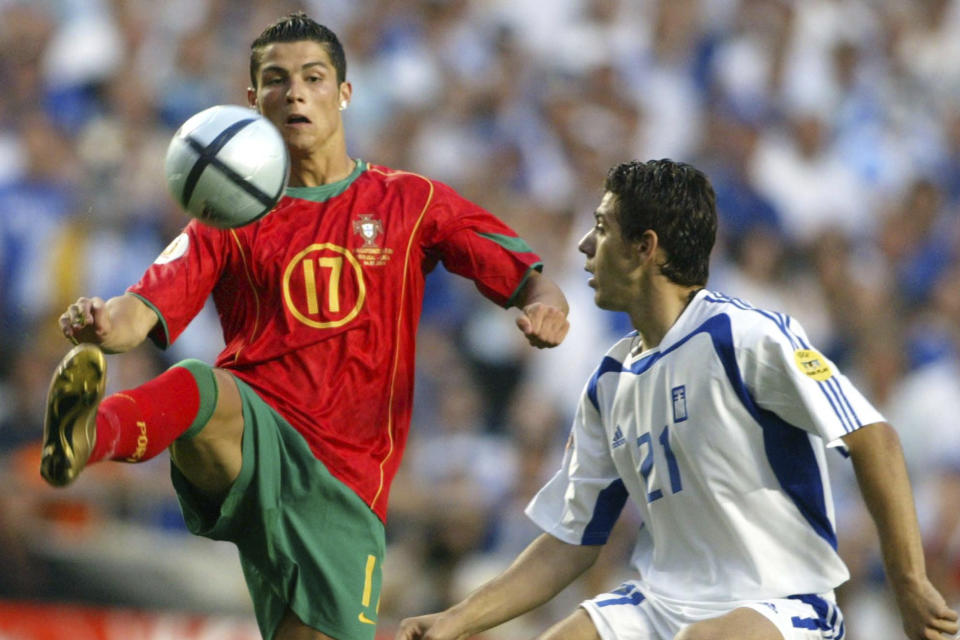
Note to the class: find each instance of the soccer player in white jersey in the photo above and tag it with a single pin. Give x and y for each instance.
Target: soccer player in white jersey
(715, 418)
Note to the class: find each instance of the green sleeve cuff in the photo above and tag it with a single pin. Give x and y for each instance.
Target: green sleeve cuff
(512, 301)
(159, 335)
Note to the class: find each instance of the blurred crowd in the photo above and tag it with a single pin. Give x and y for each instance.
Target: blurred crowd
(831, 132)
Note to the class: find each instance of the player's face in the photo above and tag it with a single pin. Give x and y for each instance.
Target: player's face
(297, 91)
(611, 259)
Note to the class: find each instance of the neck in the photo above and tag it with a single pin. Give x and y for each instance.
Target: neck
(659, 305)
(313, 170)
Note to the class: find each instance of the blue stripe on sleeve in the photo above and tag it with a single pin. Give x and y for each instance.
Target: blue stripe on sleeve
(848, 407)
(833, 397)
(607, 509)
(846, 414)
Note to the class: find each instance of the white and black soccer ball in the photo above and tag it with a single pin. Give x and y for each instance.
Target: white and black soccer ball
(227, 166)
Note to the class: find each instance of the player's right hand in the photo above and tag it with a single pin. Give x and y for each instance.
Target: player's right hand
(427, 628)
(925, 613)
(544, 326)
(86, 320)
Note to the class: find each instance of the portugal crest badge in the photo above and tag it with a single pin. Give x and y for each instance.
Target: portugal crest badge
(369, 228)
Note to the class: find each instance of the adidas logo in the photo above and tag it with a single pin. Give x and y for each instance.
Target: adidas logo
(618, 439)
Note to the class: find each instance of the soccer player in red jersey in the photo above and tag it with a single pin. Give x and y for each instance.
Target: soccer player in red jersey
(287, 446)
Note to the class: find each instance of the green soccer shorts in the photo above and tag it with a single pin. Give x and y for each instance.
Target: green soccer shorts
(307, 542)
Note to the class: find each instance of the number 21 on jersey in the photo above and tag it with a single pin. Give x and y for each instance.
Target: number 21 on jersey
(649, 457)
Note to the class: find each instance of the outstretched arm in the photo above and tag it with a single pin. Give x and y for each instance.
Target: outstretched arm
(117, 325)
(544, 568)
(882, 476)
(544, 319)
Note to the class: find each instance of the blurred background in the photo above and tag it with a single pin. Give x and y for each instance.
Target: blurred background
(830, 129)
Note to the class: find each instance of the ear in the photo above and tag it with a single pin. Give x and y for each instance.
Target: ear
(252, 98)
(346, 92)
(646, 246)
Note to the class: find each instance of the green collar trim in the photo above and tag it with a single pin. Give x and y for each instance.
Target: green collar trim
(324, 192)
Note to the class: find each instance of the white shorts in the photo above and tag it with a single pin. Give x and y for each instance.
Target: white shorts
(632, 612)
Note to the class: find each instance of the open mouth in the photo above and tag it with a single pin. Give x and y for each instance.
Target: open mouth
(297, 119)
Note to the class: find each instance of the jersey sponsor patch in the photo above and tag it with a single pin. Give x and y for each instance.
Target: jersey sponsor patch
(174, 250)
(814, 365)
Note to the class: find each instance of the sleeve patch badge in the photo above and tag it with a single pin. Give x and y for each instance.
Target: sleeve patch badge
(174, 250)
(812, 364)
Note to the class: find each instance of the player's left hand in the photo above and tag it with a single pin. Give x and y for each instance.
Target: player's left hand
(543, 325)
(925, 613)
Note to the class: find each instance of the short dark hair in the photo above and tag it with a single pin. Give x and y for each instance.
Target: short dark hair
(676, 201)
(295, 27)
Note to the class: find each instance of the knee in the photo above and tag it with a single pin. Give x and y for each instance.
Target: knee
(219, 397)
(200, 369)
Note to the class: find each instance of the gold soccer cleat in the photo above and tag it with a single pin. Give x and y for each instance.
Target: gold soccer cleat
(69, 427)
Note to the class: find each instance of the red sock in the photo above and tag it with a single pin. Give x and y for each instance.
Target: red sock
(137, 424)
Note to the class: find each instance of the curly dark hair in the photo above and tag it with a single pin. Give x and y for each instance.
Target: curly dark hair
(676, 201)
(295, 27)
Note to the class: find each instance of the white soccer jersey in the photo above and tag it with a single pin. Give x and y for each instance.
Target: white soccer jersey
(718, 435)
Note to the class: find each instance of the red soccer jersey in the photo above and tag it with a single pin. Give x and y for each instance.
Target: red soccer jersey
(320, 300)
